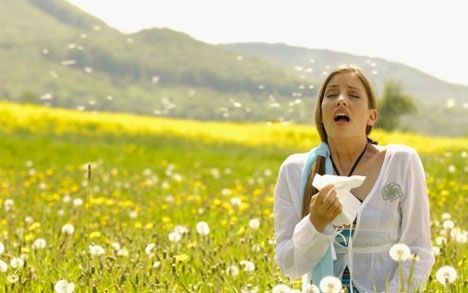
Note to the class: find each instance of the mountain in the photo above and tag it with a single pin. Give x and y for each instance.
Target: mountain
(55, 54)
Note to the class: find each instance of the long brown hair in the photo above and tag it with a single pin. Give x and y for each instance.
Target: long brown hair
(319, 165)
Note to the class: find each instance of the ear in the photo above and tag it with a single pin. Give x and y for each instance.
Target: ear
(372, 117)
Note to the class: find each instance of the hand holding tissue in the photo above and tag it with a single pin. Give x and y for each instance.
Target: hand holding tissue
(343, 186)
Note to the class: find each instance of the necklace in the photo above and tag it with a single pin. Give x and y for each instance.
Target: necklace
(354, 165)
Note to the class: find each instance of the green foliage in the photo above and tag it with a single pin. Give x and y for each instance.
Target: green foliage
(393, 105)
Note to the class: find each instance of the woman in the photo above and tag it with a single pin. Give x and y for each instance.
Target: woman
(394, 202)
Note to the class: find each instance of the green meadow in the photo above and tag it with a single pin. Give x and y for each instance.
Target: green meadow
(120, 203)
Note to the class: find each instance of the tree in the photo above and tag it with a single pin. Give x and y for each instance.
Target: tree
(393, 105)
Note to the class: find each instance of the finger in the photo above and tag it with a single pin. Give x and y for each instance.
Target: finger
(322, 194)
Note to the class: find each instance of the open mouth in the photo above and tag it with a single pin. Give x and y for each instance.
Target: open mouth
(341, 117)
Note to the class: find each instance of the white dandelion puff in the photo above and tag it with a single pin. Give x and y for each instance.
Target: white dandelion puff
(203, 228)
(311, 288)
(39, 243)
(96, 250)
(254, 223)
(281, 288)
(247, 265)
(68, 229)
(174, 236)
(63, 286)
(446, 275)
(2, 248)
(232, 270)
(330, 284)
(149, 249)
(400, 252)
(3, 266)
(16, 262)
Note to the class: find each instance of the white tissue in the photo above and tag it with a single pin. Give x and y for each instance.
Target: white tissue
(343, 186)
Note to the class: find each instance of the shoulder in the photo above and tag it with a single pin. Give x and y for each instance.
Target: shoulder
(297, 159)
(401, 150)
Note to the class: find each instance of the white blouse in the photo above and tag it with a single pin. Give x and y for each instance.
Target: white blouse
(396, 210)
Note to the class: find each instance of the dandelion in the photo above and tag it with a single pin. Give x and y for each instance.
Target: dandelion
(77, 202)
(249, 288)
(448, 224)
(181, 229)
(115, 245)
(247, 265)
(156, 264)
(236, 202)
(122, 252)
(311, 288)
(203, 228)
(174, 237)
(16, 262)
(446, 275)
(330, 284)
(39, 243)
(441, 240)
(12, 279)
(8, 204)
(3, 266)
(446, 216)
(400, 252)
(281, 288)
(436, 250)
(68, 229)
(149, 250)
(63, 286)
(232, 270)
(96, 250)
(254, 223)
(2, 248)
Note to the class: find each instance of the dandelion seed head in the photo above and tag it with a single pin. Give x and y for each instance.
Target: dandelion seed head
(254, 223)
(236, 202)
(400, 252)
(39, 243)
(68, 229)
(12, 278)
(96, 250)
(446, 275)
(8, 204)
(330, 284)
(149, 249)
(3, 266)
(247, 265)
(16, 262)
(63, 286)
(232, 270)
(441, 240)
(156, 264)
(311, 288)
(2, 248)
(203, 228)
(174, 236)
(281, 288)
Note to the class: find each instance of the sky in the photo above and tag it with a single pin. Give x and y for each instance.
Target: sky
(429, 35)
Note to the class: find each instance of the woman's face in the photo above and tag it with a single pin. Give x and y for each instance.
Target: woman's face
(345, 107)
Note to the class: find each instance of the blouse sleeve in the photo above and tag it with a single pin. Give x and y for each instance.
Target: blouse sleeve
(415, 227)
(299, 246)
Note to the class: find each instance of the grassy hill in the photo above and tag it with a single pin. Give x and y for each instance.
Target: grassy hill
(57, 55)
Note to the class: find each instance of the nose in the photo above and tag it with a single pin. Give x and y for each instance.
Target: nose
(341, 100)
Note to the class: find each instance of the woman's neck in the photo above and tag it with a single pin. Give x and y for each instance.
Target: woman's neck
(345, 153)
